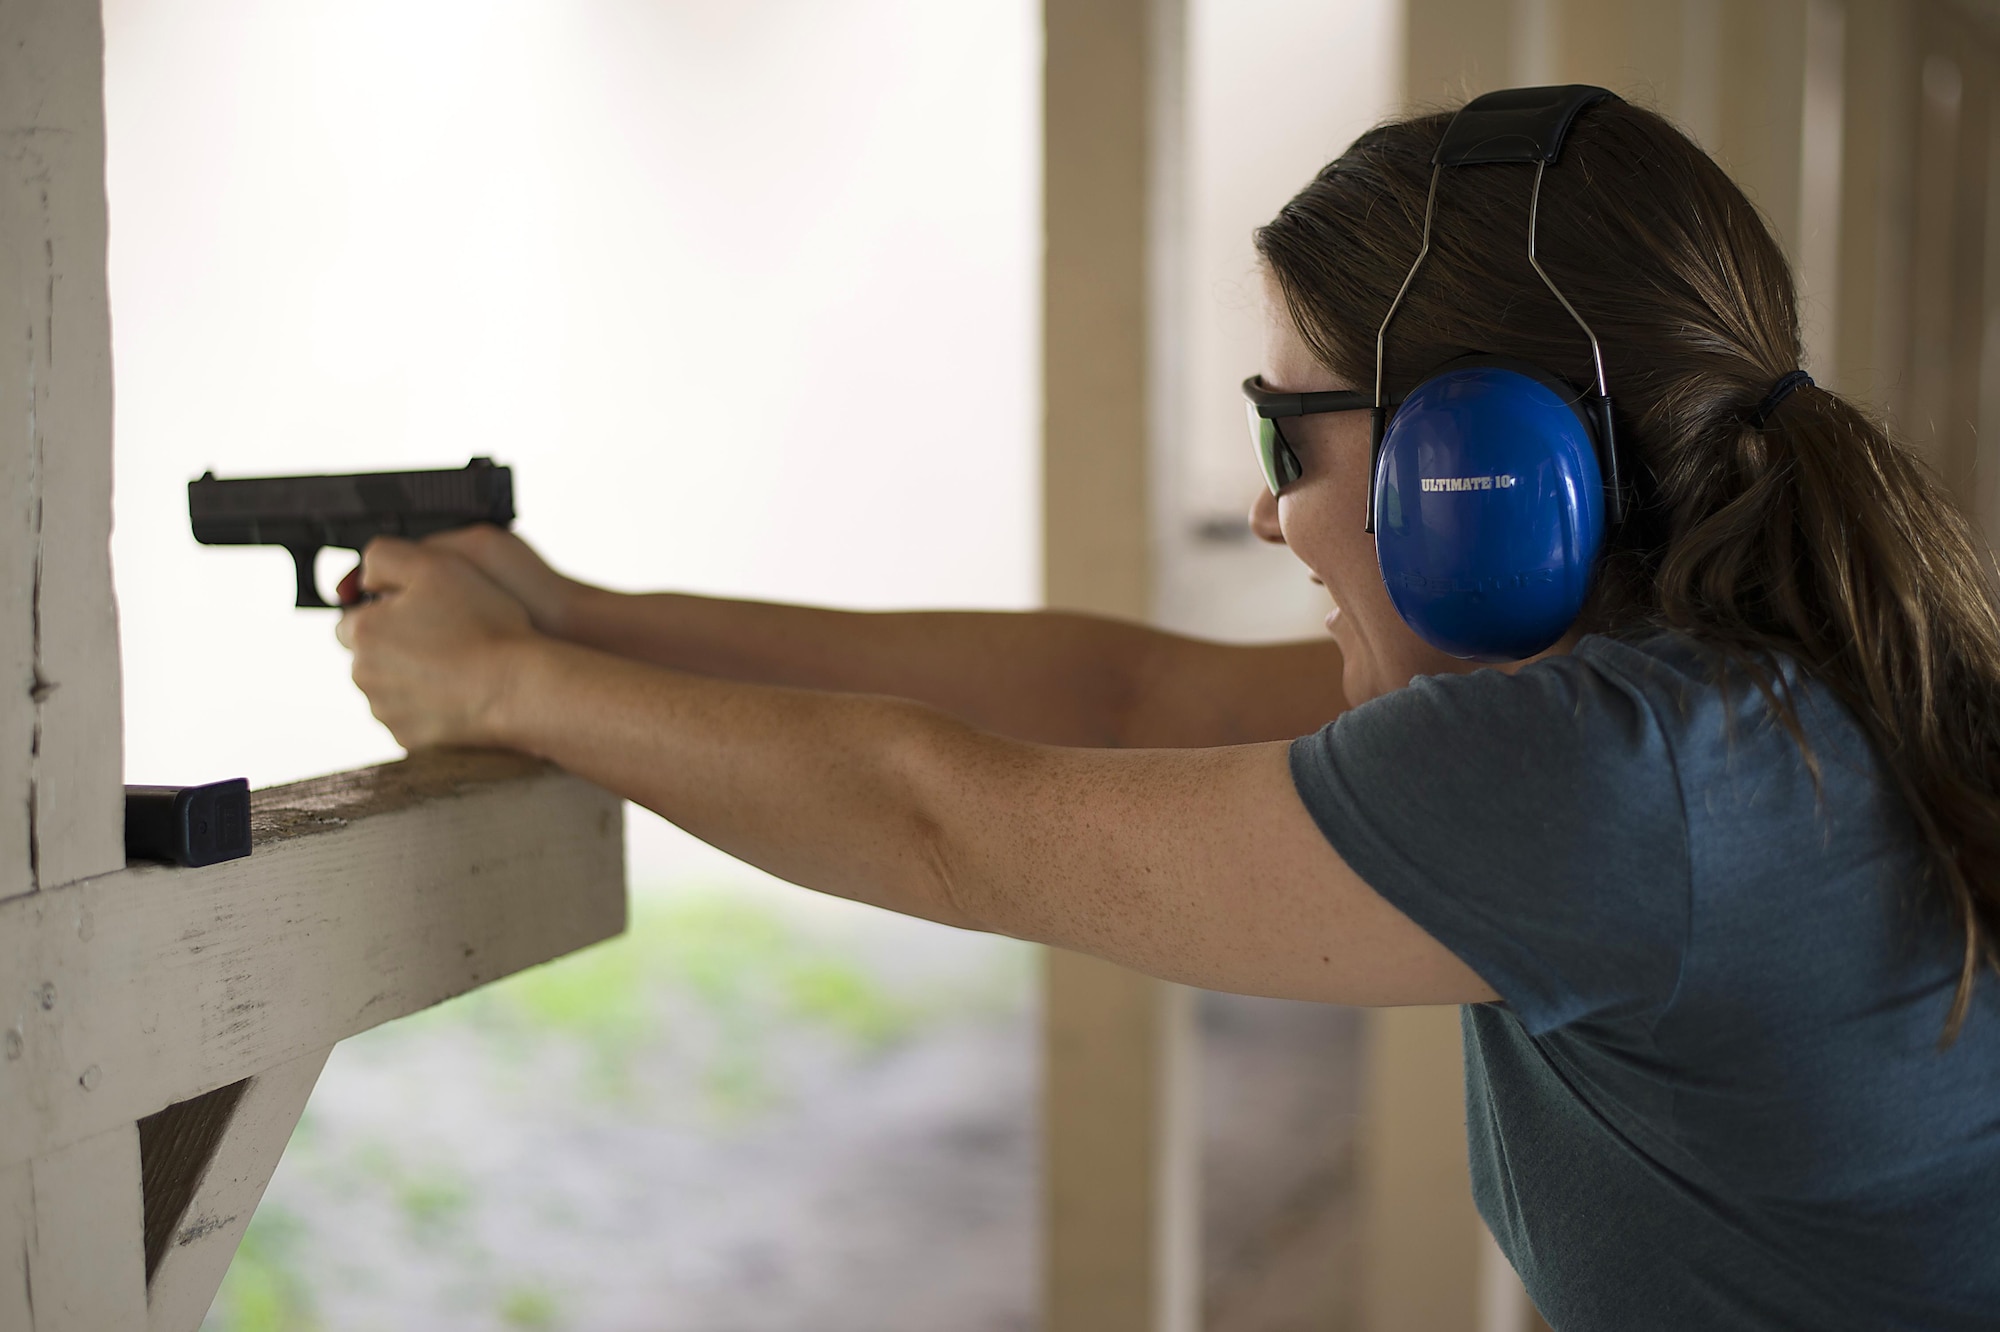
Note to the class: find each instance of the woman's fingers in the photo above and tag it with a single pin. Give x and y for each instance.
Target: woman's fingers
(387, 564)
(515, 566)
(430, 649)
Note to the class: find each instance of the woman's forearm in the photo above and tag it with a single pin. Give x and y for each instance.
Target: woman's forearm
(1047, 676)
(818, 788)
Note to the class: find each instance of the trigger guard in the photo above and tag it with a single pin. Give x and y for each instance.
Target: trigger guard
(303, 559)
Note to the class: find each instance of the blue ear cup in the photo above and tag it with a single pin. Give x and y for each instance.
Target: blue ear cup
(1489, 510)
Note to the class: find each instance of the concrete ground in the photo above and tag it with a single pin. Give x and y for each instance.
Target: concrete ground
(763, 1112)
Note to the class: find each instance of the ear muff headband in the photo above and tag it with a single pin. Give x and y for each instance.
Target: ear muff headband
(1519, 125)
(1492, 481)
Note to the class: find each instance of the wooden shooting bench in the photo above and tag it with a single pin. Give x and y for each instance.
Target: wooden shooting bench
(160, 1027)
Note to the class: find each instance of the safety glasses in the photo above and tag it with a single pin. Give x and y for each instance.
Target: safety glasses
(1268, 412)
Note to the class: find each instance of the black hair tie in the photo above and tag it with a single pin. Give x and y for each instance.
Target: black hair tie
(1781, 390)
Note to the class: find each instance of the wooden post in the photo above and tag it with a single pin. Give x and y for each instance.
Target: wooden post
(1878, 178)
(1120, 1169)
(61, 788)
(1421, 1244)
(1920, 242)
(1759, 134)
(72, 1215)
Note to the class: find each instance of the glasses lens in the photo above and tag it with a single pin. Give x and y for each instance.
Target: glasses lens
(1280, 465)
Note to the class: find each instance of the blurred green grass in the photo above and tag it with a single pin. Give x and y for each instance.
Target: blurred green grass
(716, 976)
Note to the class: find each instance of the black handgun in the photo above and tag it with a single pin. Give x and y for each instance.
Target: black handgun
(306, 513)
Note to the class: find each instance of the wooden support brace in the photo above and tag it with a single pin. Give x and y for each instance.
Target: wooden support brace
(199, 1208)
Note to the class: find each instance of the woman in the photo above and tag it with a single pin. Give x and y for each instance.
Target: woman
(1716, 876)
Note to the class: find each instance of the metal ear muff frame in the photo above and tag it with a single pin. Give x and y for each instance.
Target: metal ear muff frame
(1492, 481)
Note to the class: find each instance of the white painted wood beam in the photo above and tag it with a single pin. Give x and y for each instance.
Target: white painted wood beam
(86, 1265)
(204, 1238)
(17, 1221)
(369, 895)
(61, 744)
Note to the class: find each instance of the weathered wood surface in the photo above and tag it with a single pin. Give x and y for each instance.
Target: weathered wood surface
(203, 1237)
(17, 1223)
(369, 895)
(175, 1147)
(85, 1258)
(61, 745)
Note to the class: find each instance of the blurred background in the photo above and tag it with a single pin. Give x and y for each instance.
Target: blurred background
(751, 297)
(748, 296)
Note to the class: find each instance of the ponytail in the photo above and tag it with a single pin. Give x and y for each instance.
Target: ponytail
(1822, 539)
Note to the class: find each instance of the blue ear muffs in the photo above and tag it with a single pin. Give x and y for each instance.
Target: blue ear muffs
(1489, 509)
(1494, 482)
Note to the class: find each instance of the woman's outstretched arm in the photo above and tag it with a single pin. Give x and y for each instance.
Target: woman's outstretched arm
(1198, 865)
(1050, 677)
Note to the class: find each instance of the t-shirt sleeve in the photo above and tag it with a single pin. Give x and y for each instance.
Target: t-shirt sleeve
(1531, 823)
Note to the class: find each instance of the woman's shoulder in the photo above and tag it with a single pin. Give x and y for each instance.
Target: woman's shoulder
(1640, 713)
(1709, 704)
(1637, 693)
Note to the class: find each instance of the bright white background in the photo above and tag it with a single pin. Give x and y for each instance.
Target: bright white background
(745, 293)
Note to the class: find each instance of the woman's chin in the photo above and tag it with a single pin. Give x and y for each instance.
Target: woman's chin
(1358, 678)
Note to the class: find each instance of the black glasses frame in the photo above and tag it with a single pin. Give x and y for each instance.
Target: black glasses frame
(1269, 409)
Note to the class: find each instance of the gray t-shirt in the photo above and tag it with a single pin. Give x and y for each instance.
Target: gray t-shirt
(1711, 1095)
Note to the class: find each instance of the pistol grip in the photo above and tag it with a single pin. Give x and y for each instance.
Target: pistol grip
(303, 558)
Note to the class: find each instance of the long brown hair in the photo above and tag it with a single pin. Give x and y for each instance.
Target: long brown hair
(1817, 537)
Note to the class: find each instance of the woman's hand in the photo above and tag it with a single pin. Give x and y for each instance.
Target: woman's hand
(435, 651)
(550, 598)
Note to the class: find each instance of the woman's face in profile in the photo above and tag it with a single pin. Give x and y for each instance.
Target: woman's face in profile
(1319, 517)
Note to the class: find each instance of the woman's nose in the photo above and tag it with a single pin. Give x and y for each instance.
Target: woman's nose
(1264, 518)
